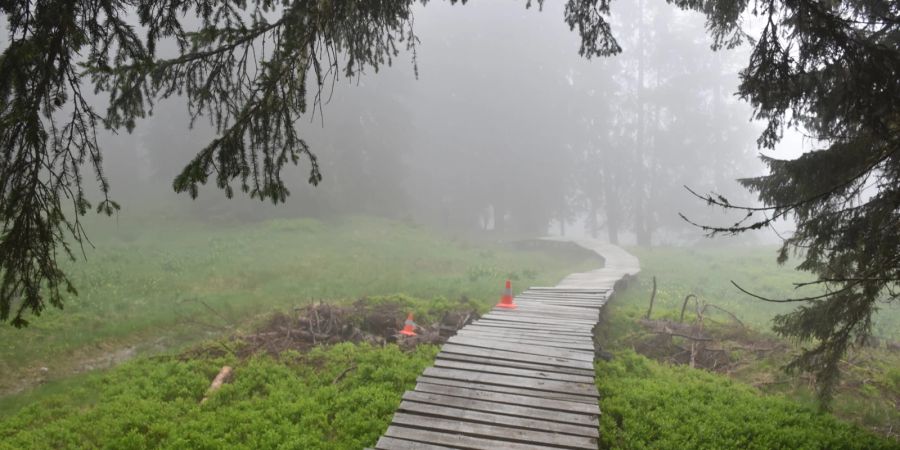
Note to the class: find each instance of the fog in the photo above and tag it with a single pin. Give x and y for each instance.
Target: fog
(497, 124)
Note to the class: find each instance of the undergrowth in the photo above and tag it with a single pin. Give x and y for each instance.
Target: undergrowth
(337, 397)
(647, 405)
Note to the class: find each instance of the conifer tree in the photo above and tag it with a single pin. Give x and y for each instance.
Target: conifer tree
(832, 68)
(243, 66)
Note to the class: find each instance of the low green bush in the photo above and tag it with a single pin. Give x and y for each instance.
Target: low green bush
(339, 397)
(647, 405)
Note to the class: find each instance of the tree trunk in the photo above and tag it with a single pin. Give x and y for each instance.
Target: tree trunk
(612, 228)
(640, 219)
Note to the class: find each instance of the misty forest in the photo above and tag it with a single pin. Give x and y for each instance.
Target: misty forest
(482, 224)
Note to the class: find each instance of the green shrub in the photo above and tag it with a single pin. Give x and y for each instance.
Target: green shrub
(299, 401)
(649, 405)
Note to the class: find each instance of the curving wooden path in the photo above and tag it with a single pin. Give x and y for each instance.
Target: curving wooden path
(517, 379)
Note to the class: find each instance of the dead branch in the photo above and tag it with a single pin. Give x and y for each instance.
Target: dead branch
(223, 377)
(343, 374)
(652, 297)
(684, 305)
(733, 317)
(673, 333)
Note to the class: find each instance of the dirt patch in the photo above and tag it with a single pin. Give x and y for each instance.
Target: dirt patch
(323, 323)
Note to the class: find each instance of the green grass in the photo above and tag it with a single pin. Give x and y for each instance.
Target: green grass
(149, 282)
(647, 405)
(868, 394)
(708, 272)
(152, 286)
(289, 403)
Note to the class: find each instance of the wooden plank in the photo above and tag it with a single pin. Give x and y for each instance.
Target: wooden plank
(520, 326)
(509, 390)
(458, 441)
(534, 326)
(560, 294)
(582, 420)
(389, 443)
(528, 373)
(567, 387)
(515, 356)
(504, 433)
(465, 391)
(528, 302)
(556, 311)
(560, 302)
(579, 329)
(486, 332)
(520, 348)
(544, 316)
(551, 334)
(578, 298)
(565, 323)
(493, 418)
(582, 346)
(567, 289)
(519, 364)
(548, 318)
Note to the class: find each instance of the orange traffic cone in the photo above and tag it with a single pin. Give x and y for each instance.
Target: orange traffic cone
(507, 300)
(408, 326)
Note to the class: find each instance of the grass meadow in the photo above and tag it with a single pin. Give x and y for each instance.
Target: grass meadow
(869, 394)
(125, 370)
(153, 286)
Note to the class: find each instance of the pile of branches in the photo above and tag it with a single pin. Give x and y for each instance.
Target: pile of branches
(695, 345)
(323, 323)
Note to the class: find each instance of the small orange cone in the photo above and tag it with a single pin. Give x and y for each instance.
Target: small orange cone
(408, 326)
(507, 300)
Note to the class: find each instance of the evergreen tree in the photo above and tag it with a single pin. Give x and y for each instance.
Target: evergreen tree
(828, 66)
(833, 68)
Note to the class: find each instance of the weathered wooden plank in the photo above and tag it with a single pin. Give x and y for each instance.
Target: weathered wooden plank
(589, 301)
(526, 330)
(560, 302)
(504, 433)
(548, 318)
(494, 418)
(567, 289)
(458, 441)
(546, 326)
(389, 443)
(561, 331)
(555, 311)
(548, 337)
(500, 370)
(528, 302)
(563, 294)
(559, 310)
(567, 298)
(569, 387)
(509, 389)
(582, 420)
(529, 349)
(466, 391)
(544, 317)
(581, 346)
(534, 326)
(577, 337)
(579, 326)
(519, 364)
(516, 356)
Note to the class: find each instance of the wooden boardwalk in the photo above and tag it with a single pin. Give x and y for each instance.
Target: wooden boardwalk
(516, 379)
